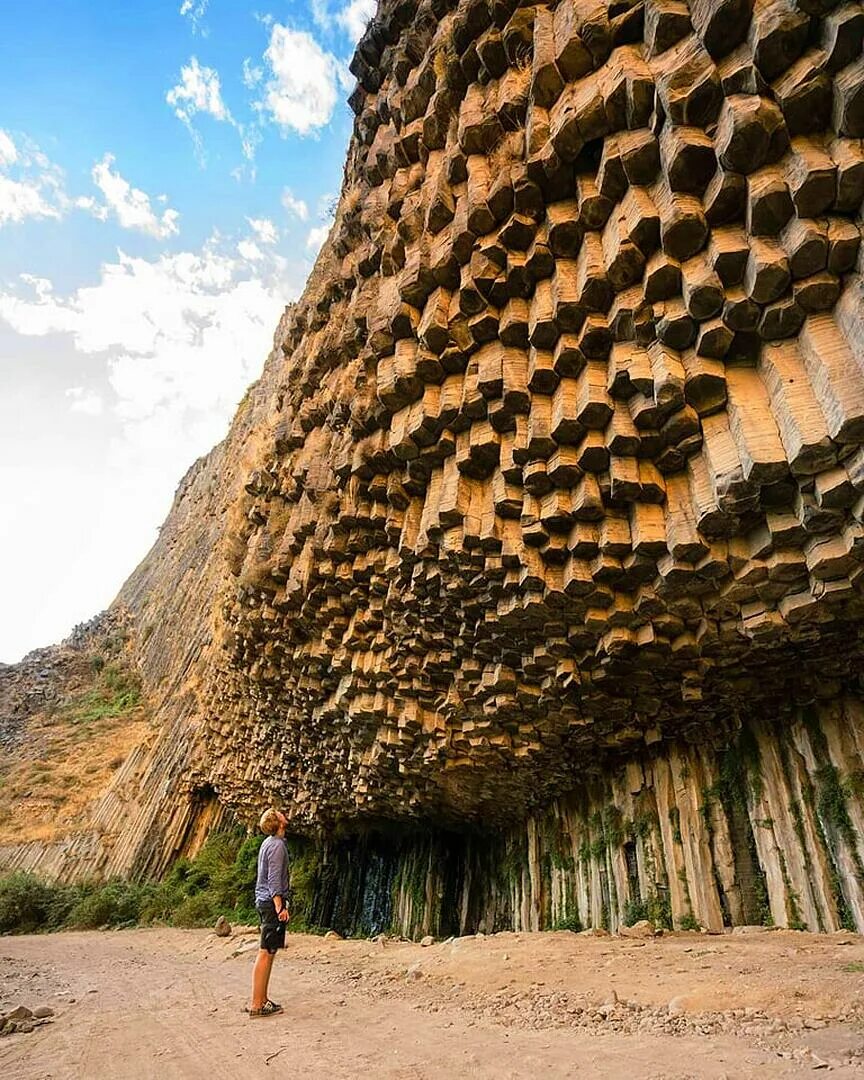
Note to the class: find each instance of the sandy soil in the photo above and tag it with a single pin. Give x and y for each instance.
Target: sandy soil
(169, 1003)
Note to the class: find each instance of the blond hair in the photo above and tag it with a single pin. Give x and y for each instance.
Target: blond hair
(270, 821)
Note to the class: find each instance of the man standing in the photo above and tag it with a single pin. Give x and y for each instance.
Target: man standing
(271, 894)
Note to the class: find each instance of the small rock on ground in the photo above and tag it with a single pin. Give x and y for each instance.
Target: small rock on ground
(641, 929)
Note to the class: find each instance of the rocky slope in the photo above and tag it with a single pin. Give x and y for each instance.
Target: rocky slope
(69, 717)
(547, 515)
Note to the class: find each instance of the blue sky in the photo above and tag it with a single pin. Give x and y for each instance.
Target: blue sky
(166, 171)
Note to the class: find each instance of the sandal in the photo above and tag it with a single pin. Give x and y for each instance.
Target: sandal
(269, 1008)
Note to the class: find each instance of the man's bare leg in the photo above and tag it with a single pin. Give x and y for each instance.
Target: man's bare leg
(261, 978)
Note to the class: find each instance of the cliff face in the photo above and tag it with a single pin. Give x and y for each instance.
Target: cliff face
(569, 448)
(551, 497)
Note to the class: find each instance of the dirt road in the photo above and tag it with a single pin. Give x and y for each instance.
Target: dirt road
(169, 1004)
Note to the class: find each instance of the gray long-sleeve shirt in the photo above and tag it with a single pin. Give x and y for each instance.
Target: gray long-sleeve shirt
(272, 877)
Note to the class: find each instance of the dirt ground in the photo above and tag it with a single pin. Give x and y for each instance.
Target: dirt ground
(169, 1004)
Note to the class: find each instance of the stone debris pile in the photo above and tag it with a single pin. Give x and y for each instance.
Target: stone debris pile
(21, 1020)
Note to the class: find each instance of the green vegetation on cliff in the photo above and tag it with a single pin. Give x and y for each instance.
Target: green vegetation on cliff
(116, 690)
(79, 726)
(219, 881)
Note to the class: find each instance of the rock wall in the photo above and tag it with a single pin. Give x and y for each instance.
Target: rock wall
(557, 469)
(569, 451)
(768, 830)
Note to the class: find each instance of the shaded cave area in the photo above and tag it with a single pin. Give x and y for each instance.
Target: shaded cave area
(764, 830)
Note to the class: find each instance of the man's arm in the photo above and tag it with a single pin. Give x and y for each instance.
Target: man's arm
(275, 877)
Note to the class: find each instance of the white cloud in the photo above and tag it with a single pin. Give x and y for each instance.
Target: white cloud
(301, 93)
(30, 185)
(250, 137)
(194, 11)
(295, 206)
(250, 251)
(8, 153)
(326, 204)
(168, 346)
(199, 91)
(130, 205)
(321, 14)
(352, 18)
(113, 474)
(355, 16)
(182, 335)
(85, 401)
(23, 199)
(317, 236)
(251, 75)
(92, 206)
(264, 229)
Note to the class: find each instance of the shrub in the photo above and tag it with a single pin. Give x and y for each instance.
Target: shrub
(117, 903)
(115, 693)
(635, 911)
(198, 910)
(24, 904)
(220, 880)
(159, 904)
(305, 868)
(568, 922)
(223, 873)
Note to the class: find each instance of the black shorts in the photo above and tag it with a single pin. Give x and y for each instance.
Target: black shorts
(272, 930)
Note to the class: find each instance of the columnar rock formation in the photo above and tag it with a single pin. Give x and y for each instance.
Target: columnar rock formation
(557, 472)
(568, 447)
(768, 830)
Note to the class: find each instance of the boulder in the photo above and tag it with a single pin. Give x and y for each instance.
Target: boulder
(644, 928)
(21, 1012)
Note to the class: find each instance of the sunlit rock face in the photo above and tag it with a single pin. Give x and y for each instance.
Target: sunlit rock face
(566, 455)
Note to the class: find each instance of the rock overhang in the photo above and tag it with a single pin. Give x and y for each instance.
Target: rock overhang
(567, 450)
